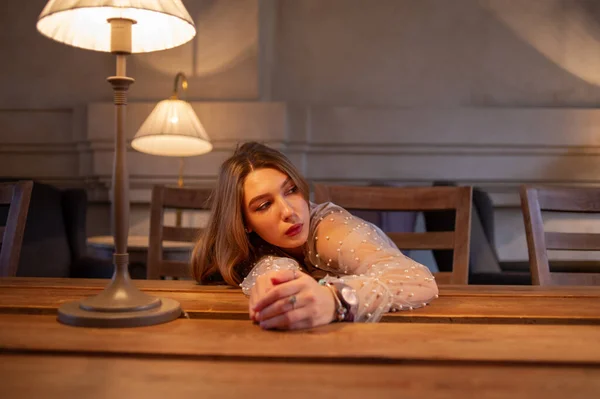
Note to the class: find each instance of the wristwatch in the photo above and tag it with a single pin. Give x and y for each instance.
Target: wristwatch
(346, 300)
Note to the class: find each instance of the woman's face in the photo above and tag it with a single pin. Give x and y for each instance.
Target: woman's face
(275, 208)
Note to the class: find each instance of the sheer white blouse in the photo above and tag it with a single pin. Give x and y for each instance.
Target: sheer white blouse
(360, 255)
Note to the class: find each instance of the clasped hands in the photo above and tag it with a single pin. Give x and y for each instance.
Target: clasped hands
(290, 300)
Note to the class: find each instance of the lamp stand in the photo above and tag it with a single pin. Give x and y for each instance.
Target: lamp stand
(178, 213)
(121, 304)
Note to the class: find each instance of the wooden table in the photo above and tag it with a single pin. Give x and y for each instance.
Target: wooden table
(222, 354)
(456, 304)
(228, 358)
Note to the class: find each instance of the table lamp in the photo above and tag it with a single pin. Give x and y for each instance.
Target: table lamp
(172, 129)
(121, 27)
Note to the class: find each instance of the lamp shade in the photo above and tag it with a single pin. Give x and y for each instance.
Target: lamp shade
(159, 25)
(172, 129)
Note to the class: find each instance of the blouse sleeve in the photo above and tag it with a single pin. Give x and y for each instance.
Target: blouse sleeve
(267, 264)
(363, 257)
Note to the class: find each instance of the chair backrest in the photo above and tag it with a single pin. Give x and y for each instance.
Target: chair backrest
(16, 196)
(534, 200)
(415, 199)
(174, 198)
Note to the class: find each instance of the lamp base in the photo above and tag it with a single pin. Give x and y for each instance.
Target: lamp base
(73, 314)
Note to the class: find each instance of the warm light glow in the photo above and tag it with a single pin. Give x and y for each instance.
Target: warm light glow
(83, 23)
(563, 32)
(172, 129)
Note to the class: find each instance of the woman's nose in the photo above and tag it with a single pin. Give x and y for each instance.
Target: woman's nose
(286, 210)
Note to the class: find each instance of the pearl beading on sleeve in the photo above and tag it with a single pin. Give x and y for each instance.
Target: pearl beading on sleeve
(360, 255)
(367, 260)
(266, 264)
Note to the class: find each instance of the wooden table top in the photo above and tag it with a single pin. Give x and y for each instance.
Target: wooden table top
(457, 304)
(98, 377)
(228, 358)
(367, 342)
(192, 286)
(520, 347)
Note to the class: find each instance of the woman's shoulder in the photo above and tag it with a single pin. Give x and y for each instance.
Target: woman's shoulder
(331, 215)
(319, 211)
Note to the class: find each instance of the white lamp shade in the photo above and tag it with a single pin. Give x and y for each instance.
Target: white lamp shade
(172, 129)
(83, 23)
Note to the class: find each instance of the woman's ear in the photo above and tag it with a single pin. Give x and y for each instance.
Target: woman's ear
(247, 230)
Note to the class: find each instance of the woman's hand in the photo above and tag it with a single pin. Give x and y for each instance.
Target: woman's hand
(290, 300)
(262, 285)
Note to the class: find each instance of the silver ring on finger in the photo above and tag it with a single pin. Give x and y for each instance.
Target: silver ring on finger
(292, 300)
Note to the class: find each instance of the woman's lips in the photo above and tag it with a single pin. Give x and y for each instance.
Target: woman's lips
(294, 230)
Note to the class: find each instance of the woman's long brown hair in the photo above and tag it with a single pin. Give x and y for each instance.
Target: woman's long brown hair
(224, 244)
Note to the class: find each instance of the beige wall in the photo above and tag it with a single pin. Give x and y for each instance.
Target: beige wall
(493, 93)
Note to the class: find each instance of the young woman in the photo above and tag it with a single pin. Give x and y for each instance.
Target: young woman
(264, 235)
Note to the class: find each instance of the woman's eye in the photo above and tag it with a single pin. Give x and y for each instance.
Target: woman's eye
(263, 206)
(292, 190)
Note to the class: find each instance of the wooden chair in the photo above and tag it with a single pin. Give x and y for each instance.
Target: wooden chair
(16, 196)
(415, 199)
(175, 198)
(534, 200)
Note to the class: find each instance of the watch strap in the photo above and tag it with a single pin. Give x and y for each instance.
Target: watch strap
(340, 310)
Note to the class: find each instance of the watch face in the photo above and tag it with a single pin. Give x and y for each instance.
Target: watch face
(349, 296)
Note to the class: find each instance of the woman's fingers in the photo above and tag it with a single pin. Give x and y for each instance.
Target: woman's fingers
(296, 319)
(283, 276)
(278, 292)
(263, 285)
(283, 305)
(257, 291)
(251, 302)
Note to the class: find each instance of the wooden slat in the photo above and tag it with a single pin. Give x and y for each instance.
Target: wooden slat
(6, 193)
(517, 291)
(388, 198)
(155, 252)
(575, 278)
(49, 299)
(534, 233)
(170, 197)
(187, 234)
(516, 309)
(93, 284)
(187, 198)
(462, 236)
(432, 240)
(41, 283)
(12, 238)
(562, 199)
(175, 268)
(61, 376)
(241, 338)
(536, 199)
(573, 241)
(2, 229)
(443, 277)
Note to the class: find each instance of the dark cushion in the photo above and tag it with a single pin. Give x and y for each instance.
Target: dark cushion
(482, 254)
(45, 251)
(504, 278)
(54, 242)
(74, 208)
